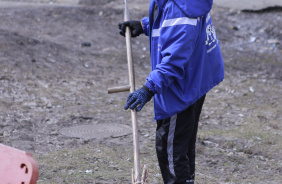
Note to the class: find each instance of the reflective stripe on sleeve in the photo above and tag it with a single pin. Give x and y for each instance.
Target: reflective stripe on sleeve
(174, 22)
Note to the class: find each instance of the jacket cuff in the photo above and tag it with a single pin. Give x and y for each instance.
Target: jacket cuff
(151, 86)
(145, 23)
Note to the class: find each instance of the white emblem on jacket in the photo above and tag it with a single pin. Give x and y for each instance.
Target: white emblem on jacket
(211, 35)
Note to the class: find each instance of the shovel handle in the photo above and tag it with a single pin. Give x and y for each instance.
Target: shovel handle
(119, 89)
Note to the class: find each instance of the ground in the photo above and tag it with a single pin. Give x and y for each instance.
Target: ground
(49, 81)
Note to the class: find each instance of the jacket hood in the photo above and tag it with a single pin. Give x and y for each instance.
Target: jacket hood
(194, 8)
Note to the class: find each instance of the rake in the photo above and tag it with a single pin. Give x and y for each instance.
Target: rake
(136, 177)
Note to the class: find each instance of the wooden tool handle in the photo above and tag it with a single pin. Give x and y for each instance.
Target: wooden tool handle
(119, 89)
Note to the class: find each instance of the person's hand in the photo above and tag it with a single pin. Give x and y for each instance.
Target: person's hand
(139, 97)
(134, 25)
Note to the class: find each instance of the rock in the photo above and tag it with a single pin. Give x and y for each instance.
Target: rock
(49, 105)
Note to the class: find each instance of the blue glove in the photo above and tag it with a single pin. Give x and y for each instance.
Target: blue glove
(140, 96)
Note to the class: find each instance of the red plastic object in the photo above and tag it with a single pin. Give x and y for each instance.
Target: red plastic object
(17, 167)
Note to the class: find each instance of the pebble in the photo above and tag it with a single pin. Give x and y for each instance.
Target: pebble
(230, 154)
(89, 171)
(51, 60)
(5, 134)
(252, 39)
(207, 142)
(55, 132)
(49, 105)
(251, 89)
(158, 175)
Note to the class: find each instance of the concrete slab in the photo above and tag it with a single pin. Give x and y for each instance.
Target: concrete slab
(248, 4)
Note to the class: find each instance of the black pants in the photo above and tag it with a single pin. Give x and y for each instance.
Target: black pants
(176, 144)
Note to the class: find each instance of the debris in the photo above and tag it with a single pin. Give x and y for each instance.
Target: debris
(5, 77)
(206, 143)
(252, 39)
(273, 8)
(6, 134)
(114, 167)
(55, 132)
(251, 89)
(230, 154)
(101, 13)
(86, 65)
(206, 117)
(273, 41)
(88, 171)
(235, 28)
(51, 60)
(158, 175)
(250, 6)
(49, 105)
(86, 44)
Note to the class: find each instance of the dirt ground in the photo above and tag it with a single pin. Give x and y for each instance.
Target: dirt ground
(49, 81)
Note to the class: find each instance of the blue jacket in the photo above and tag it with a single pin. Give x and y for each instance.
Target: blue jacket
(185, 54)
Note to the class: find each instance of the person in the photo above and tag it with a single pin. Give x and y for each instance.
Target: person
(186, 64)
